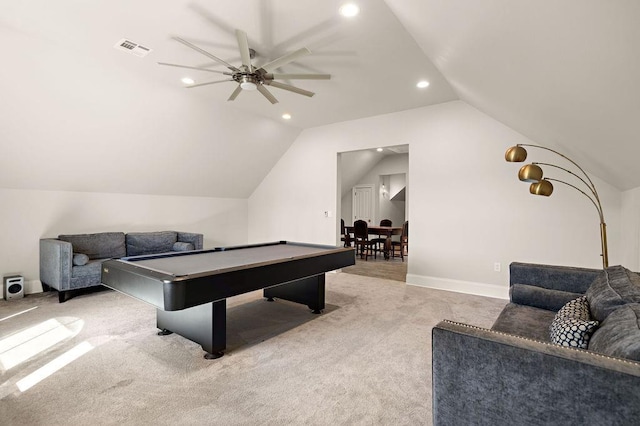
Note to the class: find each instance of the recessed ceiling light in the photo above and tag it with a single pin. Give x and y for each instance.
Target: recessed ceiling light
(286, 116)
(188, 81)
(379, 149)
(349, 10)
(422, 84)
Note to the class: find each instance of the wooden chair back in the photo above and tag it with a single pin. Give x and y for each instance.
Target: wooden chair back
(361, 230)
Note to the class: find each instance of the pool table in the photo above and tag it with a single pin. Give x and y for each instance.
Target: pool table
(189, 289)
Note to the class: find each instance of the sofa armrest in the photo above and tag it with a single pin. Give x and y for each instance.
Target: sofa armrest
(485, 377)
(56, 261)
(193, 238)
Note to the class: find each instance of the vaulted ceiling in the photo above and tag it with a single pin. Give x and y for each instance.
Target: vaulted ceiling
(562, 73)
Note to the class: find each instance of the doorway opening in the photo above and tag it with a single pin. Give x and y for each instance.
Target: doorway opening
(373, 184)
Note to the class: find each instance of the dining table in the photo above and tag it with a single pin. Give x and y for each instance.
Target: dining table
(380, 231)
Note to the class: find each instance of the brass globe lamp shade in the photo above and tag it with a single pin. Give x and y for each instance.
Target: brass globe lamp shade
(544, 187)
(516, 154)
(530, 173)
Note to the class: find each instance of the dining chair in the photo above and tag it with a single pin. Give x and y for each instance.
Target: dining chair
(345, 236)
(401, 246)
(381, 239)
(361, 239)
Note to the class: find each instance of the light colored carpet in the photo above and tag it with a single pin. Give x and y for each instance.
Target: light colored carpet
(366, 360)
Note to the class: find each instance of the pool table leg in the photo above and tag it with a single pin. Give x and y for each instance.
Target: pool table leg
(308, 291)
(204, 324)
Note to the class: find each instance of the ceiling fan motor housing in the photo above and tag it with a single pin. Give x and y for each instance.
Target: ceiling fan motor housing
(248, 81)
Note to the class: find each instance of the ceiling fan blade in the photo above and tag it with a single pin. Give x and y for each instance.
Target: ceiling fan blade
(301, 76)
(243, 45)
(205, 53)
(207, 83)
(194, 68)
(290, 88)
(285, 59)
(267, 94)
(235, 93)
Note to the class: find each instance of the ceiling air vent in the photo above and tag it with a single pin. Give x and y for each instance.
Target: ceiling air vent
(132, 47)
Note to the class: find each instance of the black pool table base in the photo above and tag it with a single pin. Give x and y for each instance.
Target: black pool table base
(206, 324)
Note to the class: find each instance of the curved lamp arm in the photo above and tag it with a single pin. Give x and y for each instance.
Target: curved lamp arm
(595, 202)
(542, 186)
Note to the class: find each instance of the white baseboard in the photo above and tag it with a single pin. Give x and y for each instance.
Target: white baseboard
(34, 286)
(480, 289)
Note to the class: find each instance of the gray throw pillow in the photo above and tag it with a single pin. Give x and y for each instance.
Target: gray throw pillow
(616, 286)
(80, 259)
(182, 246)
(539, 297)
(619, 334)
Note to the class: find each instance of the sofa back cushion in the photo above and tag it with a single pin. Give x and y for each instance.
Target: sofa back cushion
(619, 334)
(102, 245)
(563, 278)
(141, 243)
(614, 287)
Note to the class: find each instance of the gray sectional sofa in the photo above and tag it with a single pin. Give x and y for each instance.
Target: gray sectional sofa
(513, 374)
(72, 262)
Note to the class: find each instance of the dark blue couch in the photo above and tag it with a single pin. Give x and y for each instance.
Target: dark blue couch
(512, 374)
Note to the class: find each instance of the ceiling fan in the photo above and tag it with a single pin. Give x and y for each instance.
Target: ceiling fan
(250, 77)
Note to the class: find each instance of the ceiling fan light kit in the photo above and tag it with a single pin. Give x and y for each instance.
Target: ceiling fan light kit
(248, 82)
(248, 76)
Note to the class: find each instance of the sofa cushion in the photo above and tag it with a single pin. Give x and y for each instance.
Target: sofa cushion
(182, 246)
(93, 268)
(614, 287)
(97, 246)
(525, 321)
(141, 243)
(539, 297)
(619, 334)
(80, 259)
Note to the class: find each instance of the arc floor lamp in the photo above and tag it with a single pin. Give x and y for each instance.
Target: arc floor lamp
(541, 185)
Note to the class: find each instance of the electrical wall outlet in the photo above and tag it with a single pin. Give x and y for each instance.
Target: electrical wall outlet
(497, 267)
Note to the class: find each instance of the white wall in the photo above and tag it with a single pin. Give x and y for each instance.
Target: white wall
(631, 225)
(468, 209)
(389, 165)
(28, 215)
(397, 183)
(395, 210)
(78, 122)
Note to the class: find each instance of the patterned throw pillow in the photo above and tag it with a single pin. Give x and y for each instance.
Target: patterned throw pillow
(573, 325)
(572, 332)
(576, 308)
